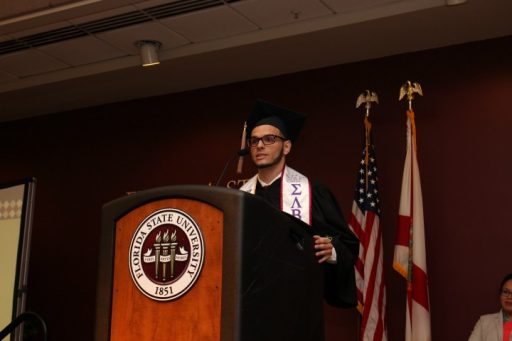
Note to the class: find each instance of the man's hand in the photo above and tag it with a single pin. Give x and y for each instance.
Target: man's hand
(323, 247)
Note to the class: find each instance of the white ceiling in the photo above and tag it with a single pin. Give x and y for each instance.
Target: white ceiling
(230, 42)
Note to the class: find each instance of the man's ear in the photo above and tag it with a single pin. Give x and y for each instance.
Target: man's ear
(287, 147)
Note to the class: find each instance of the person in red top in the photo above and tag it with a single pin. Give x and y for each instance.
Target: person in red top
(498, 326)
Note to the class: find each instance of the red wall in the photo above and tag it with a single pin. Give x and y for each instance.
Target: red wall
(85, 158)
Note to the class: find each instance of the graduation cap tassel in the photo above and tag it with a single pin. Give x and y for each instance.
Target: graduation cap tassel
(242, 146)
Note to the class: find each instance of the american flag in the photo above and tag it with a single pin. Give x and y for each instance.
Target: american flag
(410, 258)
(364, 222)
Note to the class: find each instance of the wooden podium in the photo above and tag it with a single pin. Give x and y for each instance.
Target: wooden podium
(205, 263)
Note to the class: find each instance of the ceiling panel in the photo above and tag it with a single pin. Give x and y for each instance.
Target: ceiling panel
(6, 77)
(19, 8)
(343, 6)
(125, 38)
(268, 13)
(29, 62)
(102, 15)
(152, 3)
(37, 30)
(209, 24)
(91, 50)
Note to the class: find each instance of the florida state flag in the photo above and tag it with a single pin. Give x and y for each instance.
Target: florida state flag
(410, 258)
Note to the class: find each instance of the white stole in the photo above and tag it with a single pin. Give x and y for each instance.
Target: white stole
(295, 193)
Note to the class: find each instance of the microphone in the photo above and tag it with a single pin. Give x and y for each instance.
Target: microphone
(240, 153)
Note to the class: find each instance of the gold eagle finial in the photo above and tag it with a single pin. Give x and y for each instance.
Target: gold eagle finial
(367, 97)
(410, 89)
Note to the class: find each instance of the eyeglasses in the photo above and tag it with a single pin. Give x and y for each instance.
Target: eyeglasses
(266, 139)
(506, 293)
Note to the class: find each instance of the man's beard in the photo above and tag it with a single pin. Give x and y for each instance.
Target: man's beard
(273, 162)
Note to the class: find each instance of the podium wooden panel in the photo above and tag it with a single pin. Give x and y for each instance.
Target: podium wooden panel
(138, 317)
(259, 281)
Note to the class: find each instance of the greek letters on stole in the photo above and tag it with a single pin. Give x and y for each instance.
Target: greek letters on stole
(295, 193)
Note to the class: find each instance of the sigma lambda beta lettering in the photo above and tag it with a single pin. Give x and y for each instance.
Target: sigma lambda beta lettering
(295, 195)
(296, 206)
(166, 254)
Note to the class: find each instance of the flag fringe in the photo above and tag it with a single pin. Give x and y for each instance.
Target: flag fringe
(398, 268)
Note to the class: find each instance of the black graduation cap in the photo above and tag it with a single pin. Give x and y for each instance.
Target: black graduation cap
(287, 121)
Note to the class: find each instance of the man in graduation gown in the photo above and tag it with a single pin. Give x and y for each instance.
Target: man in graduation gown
(271, 130)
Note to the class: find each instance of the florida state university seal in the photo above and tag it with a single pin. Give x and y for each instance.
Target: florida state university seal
(166, 254)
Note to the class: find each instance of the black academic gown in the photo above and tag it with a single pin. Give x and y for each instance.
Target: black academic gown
(327, 220)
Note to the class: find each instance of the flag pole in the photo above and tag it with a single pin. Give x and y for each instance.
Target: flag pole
(408, 89)
(410, 242)
(367, 310)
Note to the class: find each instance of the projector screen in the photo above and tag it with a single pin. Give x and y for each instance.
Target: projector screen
(16, 203)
